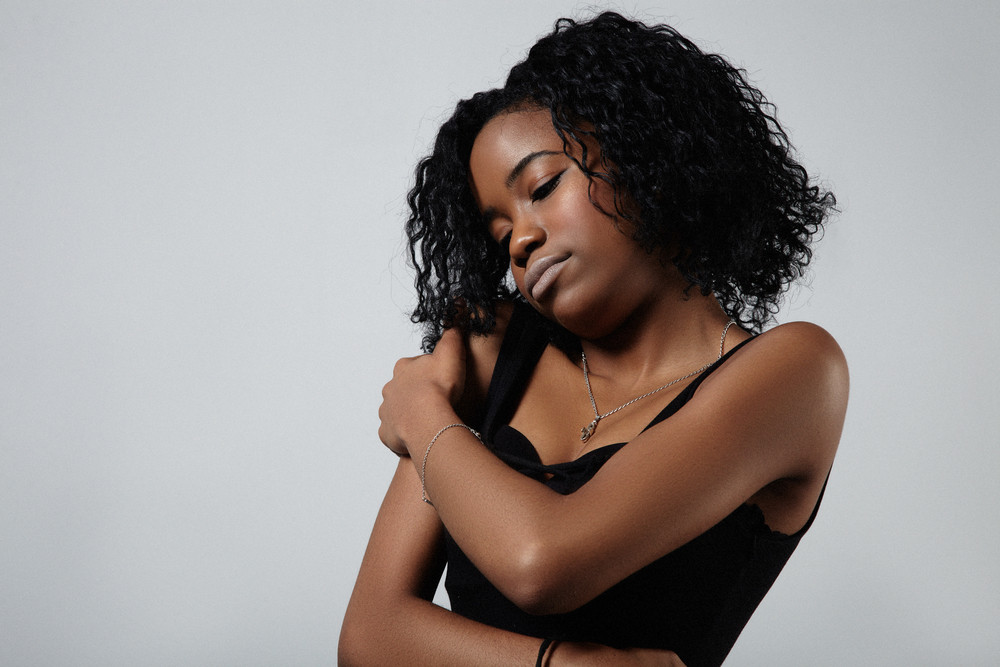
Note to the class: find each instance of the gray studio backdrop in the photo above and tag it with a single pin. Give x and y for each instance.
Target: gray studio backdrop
(202, 290)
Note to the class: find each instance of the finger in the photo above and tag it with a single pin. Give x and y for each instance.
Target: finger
(452, 344)
(402, 363)
(392, 443)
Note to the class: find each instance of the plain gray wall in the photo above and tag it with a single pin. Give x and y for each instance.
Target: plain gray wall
(202, 290)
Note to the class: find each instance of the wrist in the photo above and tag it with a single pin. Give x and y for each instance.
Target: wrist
(572, 653)
(544, 651)
(584, 654)
(423, 478)
(427, 418)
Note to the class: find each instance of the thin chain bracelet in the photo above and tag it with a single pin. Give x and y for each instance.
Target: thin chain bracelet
(423, 464)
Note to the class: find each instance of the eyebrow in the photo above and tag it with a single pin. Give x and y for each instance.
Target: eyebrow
(525, 161)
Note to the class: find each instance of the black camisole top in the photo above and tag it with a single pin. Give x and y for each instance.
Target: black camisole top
(694, 601)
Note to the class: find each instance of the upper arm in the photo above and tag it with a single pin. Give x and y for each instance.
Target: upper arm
(390, 619)
(404, 557)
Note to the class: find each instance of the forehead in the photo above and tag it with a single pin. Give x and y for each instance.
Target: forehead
(507, 138)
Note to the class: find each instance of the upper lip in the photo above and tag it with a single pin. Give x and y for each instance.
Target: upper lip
(538, 267)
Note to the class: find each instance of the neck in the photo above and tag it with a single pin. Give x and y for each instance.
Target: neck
(666, 338)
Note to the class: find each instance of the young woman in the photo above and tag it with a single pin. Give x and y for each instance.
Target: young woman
(614, 463)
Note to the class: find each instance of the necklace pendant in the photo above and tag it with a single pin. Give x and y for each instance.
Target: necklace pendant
(588, 431)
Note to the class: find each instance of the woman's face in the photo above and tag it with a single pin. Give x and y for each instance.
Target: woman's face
(567, 257)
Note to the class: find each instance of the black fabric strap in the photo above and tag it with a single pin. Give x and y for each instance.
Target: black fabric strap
(523, 343)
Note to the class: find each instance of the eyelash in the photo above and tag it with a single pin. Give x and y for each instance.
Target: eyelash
(546, 188)
(540, 193)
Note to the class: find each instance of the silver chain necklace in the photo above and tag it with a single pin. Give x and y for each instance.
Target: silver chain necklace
(589, 429)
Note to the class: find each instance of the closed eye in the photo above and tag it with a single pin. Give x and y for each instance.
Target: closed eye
(546, 188)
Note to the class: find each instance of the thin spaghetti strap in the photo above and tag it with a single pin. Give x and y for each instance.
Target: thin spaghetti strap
(685, 395)
(711, 369)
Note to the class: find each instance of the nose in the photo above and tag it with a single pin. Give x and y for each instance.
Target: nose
(525, 237)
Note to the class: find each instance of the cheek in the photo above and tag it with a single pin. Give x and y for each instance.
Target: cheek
(595, 200)
(603, 195)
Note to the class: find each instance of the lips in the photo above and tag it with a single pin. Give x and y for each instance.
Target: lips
(542, 273)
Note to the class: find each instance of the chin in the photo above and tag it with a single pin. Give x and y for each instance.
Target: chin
(584, 323)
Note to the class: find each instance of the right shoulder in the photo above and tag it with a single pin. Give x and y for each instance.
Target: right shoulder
(483, 350)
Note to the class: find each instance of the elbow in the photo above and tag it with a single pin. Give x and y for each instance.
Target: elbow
(362, 635)
(350, 646)
(541, 583)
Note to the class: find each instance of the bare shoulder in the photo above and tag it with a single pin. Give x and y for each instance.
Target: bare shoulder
(805, 333)
(793, 377)
(802, 350)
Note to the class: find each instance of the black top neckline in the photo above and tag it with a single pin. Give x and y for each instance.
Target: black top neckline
(521, 329)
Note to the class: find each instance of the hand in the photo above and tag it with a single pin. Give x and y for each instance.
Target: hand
(422, 394)
(578, 654)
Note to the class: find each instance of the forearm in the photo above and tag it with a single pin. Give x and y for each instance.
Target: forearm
(417, 632)
(504, 521)
(390, 619)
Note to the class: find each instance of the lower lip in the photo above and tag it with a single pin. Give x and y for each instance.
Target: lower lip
(545, 280)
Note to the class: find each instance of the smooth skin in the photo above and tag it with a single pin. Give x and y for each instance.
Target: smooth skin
(763, 429)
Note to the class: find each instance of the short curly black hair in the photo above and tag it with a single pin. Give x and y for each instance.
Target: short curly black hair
(695, 156)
